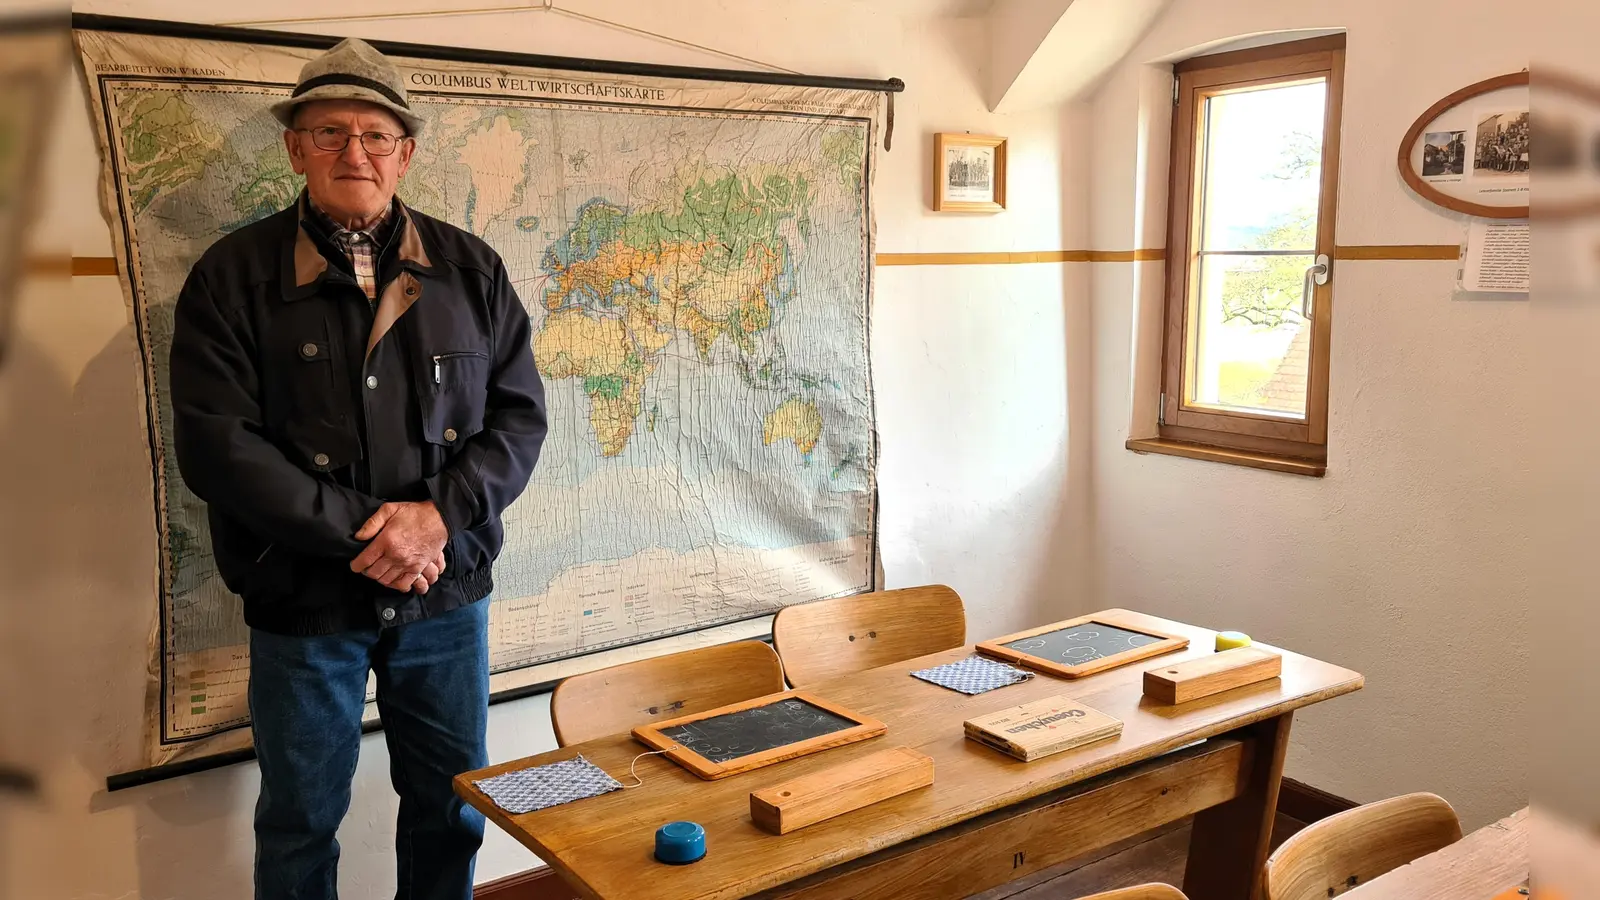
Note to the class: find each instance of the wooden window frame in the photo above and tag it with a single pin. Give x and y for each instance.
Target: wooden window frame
(1238, 436)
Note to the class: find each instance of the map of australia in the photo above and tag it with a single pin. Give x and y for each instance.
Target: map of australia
(698, 286)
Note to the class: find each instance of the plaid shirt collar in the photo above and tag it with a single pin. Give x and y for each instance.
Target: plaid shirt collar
(377, 232)
(361, 248)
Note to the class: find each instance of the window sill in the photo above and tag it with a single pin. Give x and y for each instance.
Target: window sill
(1252, 458)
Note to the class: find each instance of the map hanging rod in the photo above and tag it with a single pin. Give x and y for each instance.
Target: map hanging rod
(548, 6)
(235, 34)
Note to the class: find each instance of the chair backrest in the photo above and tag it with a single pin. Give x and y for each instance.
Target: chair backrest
(1142, 892)
(1349, 849)
(614, 700)
(829, 638)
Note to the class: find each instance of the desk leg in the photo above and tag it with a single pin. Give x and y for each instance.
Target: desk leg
(1230, 842)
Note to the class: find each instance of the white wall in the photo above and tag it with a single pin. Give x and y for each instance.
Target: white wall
(982, 478)
(998, 387)
(1409, 562)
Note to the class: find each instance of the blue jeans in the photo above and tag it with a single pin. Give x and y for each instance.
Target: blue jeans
(306, 698)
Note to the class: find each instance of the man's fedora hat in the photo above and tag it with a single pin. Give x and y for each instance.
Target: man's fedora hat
(354, 70)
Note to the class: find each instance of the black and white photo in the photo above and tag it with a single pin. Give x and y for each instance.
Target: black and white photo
(969, 173)
(1444, 154)
(1501, 148)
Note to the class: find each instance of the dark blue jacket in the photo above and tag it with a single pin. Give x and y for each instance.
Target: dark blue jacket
(299, 407)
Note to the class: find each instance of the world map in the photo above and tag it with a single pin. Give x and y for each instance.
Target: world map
(698, 285)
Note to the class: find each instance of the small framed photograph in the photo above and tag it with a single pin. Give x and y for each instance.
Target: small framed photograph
(1444, 155)
(969, 173)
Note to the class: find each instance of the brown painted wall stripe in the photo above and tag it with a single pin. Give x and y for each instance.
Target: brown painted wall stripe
(62, 266)
(94, 265)
(1012, 257)
(105, 265)
(48, 266)
(1374, 251)
(1398, 251)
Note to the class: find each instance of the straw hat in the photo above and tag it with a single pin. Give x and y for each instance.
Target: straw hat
(353, 70)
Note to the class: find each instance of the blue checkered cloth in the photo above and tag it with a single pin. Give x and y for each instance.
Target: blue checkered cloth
(973, 675)
(542, 787)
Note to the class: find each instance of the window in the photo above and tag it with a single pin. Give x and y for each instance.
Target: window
(1250, 238)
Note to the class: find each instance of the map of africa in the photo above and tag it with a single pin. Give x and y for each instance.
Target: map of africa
(698, 286)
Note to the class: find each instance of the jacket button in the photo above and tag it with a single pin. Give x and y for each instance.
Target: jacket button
(372, 382)
(308, 350)
(449, 434)
(388, 614)
(320, 459)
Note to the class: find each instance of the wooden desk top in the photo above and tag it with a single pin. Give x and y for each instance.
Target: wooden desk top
(603, 845)
(1480, 866)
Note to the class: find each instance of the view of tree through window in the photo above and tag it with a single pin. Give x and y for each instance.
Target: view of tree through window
(1260, 171)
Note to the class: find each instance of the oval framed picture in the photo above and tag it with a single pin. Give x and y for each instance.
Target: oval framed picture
(969, 173)
(1569, 151)
(1469, 151)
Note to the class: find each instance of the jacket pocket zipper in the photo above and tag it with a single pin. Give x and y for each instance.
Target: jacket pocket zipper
(264, 553)
(437, 368)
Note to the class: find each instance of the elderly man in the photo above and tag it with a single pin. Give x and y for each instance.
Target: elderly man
(355, 398)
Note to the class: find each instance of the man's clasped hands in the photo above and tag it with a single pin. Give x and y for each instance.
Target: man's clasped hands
(406, 552)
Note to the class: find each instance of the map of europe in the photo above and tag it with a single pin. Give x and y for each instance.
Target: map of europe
(698, 283)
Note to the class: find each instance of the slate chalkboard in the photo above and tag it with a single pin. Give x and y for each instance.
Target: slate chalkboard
(759, 728)
(1082, 643)
(757, 732)
(1087, 644)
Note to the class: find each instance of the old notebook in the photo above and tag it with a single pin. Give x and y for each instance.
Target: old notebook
(1042, 727)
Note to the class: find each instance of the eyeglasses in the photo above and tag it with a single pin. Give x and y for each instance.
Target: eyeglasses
(334, 140)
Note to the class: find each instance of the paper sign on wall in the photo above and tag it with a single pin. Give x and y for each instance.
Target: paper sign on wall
(1497, 258)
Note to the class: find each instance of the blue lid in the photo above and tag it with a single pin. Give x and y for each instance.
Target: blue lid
(678, 843)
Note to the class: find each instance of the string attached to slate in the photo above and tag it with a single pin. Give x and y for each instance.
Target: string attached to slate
(637, 781)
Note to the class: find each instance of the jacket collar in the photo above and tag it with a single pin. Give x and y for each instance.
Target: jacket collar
(379, 232)
(305, 266)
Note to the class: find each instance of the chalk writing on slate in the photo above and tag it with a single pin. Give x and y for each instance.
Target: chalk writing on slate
(736, 734)
(1082, 643)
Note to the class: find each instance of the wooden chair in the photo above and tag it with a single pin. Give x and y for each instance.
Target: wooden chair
(1142, 892)
(1349, 849)
(614, 700)
(828, 638)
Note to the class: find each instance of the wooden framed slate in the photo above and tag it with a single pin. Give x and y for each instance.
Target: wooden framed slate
(744, 736)
(1085, 645)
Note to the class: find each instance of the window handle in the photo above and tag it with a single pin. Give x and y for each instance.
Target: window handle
(1317, 273)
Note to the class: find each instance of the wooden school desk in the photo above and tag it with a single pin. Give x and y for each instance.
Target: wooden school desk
(1485, 865)
(986, 820)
